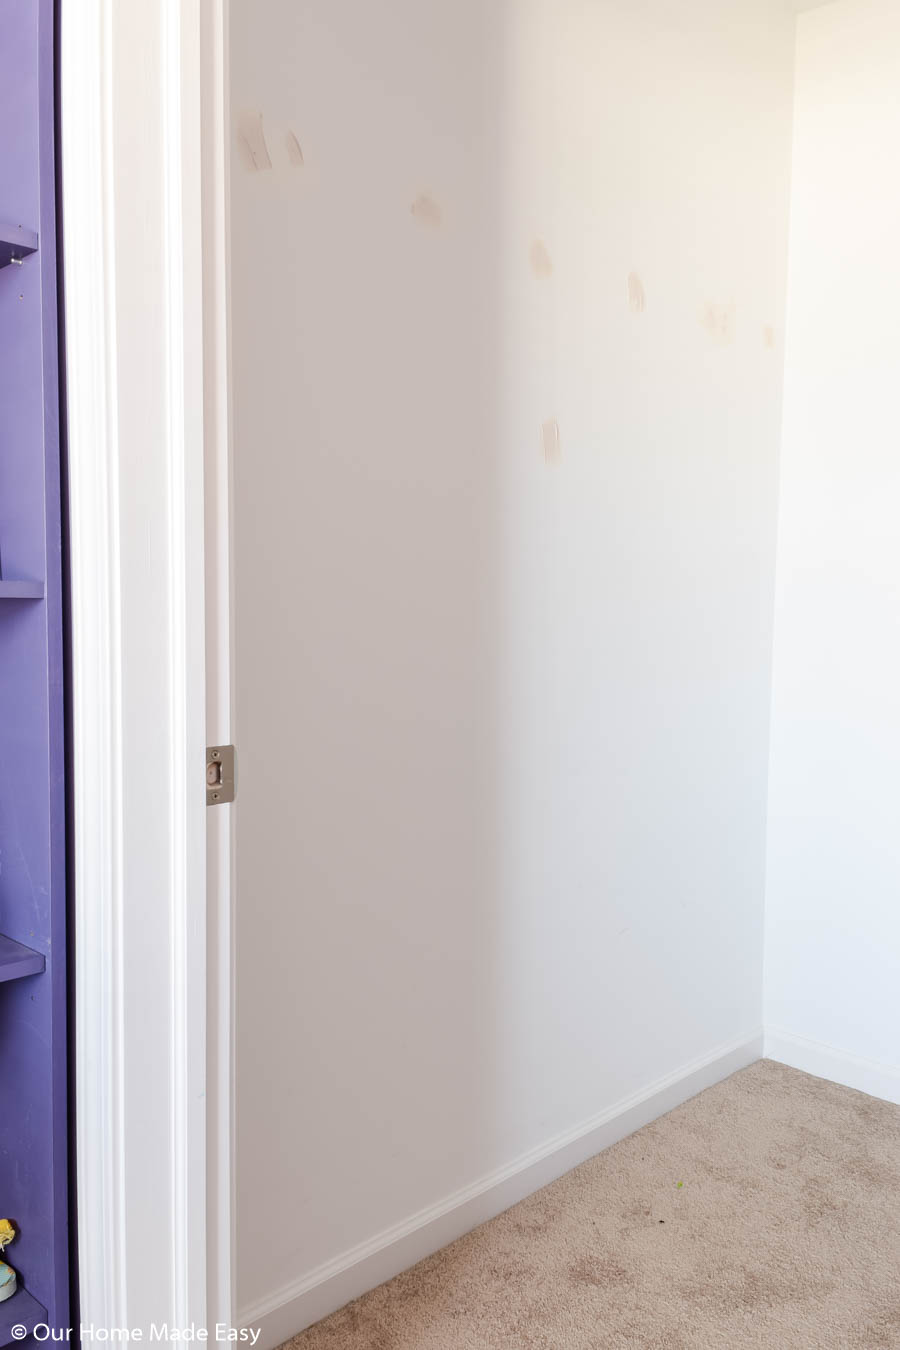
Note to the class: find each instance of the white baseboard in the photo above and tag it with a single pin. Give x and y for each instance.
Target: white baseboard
(824, 1061)
(287, 1311)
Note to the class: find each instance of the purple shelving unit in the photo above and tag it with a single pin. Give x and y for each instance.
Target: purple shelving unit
(33, 1075)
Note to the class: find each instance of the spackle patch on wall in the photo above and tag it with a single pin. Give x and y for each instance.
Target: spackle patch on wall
(550, 442)
(427, 211)
(252, 141)
(769, 337)
(541, 262)
(294, 150)
(719, 322)
(637, 296)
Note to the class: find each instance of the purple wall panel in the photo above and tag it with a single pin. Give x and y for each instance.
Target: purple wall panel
(33, 1124)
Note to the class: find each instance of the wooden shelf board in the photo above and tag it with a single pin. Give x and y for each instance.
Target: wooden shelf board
(16, 243)
(17, 961)
(21, 590)
(19, 1311)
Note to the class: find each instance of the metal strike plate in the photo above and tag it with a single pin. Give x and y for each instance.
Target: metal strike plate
(219, 774)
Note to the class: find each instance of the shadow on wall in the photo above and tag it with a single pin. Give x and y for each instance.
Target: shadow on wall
(505, 436)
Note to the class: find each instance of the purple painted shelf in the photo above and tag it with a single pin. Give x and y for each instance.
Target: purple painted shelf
(20, 1310)
(21, 590)
(34, 1123)
(16, 244)
(17, 961)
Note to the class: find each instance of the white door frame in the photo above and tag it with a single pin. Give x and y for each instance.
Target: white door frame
(215, 120)
(133, 77)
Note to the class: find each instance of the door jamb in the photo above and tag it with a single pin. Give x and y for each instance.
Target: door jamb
(131, 81)
(219, 652)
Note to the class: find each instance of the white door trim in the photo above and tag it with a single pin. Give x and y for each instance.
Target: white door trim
(88, 242)
(219, 654)
(130, 144)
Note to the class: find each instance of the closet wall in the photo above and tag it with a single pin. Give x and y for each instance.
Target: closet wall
(833, 923)
(507, 329)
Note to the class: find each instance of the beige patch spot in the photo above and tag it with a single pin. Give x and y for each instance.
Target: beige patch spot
(427, 211)
(882, 1329)
(550, 442)
(294, 150)
(769, 337)
(529, 1222)
(252, 141)
(637, 296)
(599, 1272)
(752, 1289)
(541, 262)
(719, 322)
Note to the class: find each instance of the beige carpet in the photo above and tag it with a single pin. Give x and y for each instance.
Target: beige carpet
(784, 1233)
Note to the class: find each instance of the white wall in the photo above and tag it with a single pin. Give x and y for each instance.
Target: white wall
(502, 718)
(833, 944)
